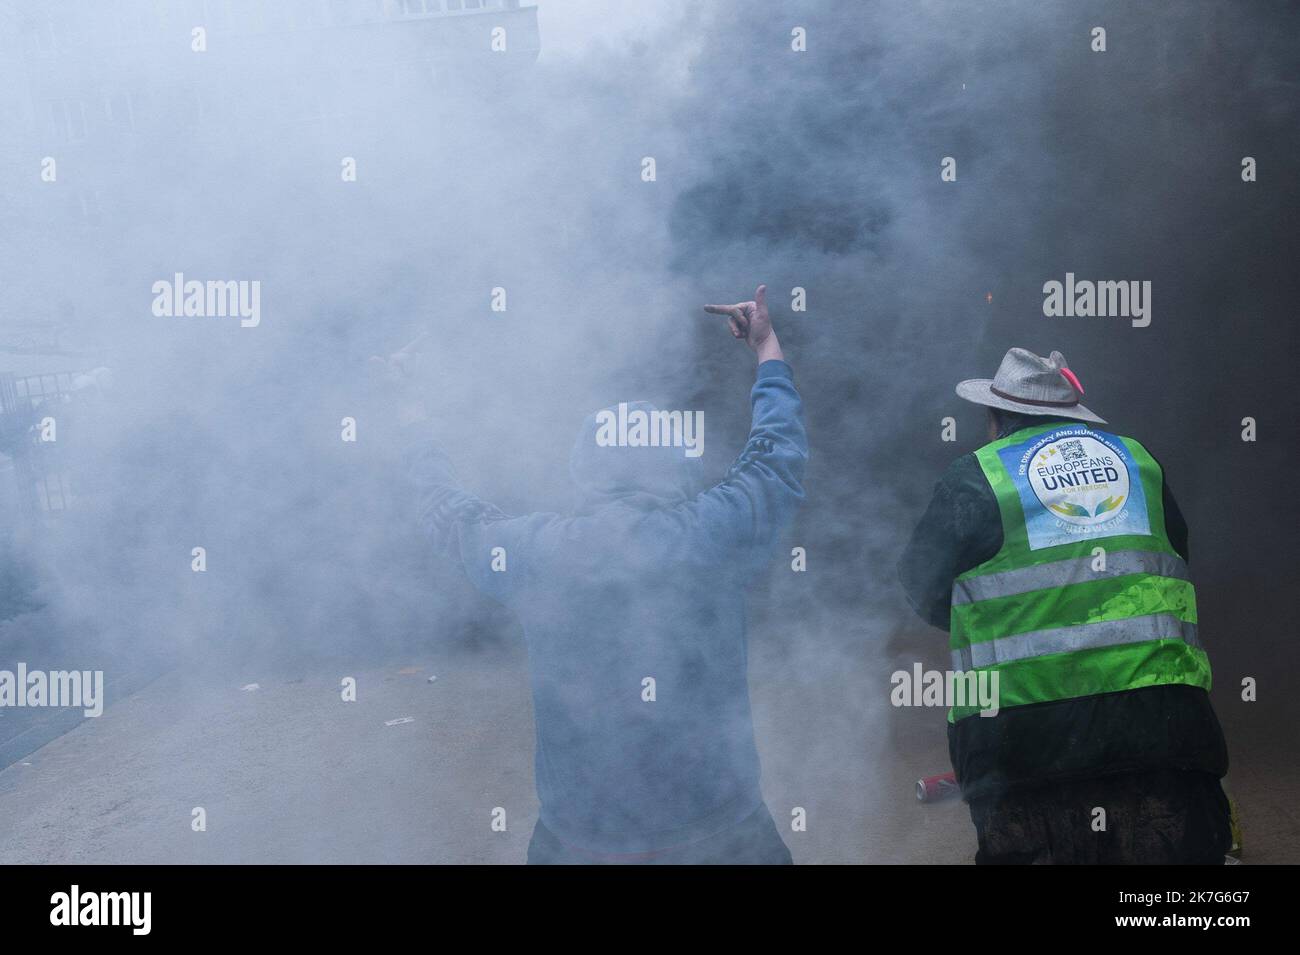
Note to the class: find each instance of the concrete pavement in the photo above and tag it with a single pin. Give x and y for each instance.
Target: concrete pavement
(289, 772)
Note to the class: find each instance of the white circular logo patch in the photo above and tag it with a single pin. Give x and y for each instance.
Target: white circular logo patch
(1079, 480)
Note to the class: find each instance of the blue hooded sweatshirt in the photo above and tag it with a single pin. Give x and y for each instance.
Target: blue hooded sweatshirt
(645, 581)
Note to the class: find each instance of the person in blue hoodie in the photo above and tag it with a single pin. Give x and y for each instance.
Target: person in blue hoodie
(633, 609)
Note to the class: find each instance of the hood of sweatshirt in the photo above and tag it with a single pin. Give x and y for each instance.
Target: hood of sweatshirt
(606, 473)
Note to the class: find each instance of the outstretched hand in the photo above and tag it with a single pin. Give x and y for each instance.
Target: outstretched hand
(750, 323)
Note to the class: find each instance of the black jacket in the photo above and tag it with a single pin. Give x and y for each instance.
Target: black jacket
(1159, 727)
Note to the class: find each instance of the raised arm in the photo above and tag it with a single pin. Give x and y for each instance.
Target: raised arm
(456, 523)
(755, 502)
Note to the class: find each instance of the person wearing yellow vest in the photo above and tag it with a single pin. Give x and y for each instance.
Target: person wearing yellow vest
(1056, 557)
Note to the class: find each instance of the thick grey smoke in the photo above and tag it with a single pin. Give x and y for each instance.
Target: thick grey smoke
(469, 177)
(818, 170)
(825, 173)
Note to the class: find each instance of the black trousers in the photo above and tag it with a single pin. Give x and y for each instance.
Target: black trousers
(753, 841)
(1157, 818)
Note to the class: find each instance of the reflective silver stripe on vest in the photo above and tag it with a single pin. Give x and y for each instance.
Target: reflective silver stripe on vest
(1085, 636)
(1061, 573)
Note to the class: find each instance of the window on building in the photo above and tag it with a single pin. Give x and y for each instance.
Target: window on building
(343, 12)
(136, 22)
(68, 119)
(141, 100)
(202, 104)
(312, 13)
(473, 4)
(118, 109)
(192, 13)
(279, 15)
(90, 207)
(215, 15)
(44, 34)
